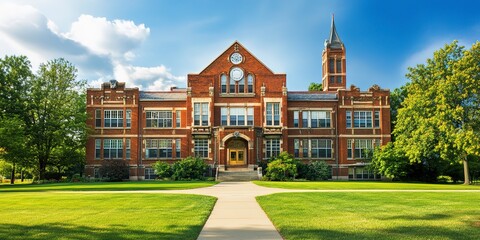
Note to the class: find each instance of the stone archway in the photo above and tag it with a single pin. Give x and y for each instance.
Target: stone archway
(236, 148)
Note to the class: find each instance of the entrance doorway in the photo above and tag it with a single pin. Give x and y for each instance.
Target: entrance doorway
(237, 157)
(237, 152)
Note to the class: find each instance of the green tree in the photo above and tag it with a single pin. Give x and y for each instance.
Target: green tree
(315, 87)
(390, 161)
(283, 168)
(57, 110)
(440, 114)
(15, 77)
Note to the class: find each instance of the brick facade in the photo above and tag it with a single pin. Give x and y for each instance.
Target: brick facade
(237, 112)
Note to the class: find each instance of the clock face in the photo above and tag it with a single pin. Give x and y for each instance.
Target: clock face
(236, 74)
(236, 58)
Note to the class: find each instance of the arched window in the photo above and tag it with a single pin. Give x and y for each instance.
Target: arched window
(241, 85)
(223, 80)
(250, 83)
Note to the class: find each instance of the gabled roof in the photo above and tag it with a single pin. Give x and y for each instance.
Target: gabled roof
(163, 96)
(311, 96)
(334, 41)
(245, 49)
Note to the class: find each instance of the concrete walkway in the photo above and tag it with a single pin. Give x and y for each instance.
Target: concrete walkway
(236, 214)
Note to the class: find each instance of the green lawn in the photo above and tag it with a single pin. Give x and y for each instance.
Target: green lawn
(43, 215)
(107, 186)
(332, 185)
(387, 215)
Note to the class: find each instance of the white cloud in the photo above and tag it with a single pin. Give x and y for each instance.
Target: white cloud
(115, 38)
(147, 78)
(101, 49)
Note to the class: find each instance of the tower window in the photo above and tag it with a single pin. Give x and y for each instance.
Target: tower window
(331, 68)
(339, 79)
(332, 79)
(339, 65)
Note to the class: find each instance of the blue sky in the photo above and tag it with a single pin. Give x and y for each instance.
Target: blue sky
(155, 44)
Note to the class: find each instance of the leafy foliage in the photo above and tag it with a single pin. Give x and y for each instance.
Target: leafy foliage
(283, 168)
(439, 118)
(390, 162)
(315, 87)
(163, 169)
(114, 170)
(190, 168)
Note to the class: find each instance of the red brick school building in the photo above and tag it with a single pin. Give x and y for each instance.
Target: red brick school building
(236, 113)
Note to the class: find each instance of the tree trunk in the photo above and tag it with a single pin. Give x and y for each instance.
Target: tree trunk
(12, 178)
(21, 175)
(465, 172)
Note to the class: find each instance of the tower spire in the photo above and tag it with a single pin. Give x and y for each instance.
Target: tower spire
(334, 40)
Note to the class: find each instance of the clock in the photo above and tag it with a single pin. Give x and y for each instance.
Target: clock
(236, 58)
(236, 74)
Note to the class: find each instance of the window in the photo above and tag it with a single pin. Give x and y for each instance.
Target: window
(362, 173)
(349, 149)
(232, 87)
(316, 119)
(112, 148)
(224, 116)
(113, 118)
(250, 116)
(377, 119)
(272, 148)
(159, 119)
(348, 116)
(223, 83)
(129, 118)
(305, 119)
(250, 83)
(178, 147)
(98, 118)
(321, 148)
(305, 148)
(339, 65)
(362, 119)
(362, 146)
(98, 146)
(150, 174)
(236, 116)
(331, 66)
(339, 79)
(332, 79)
(200, 114)
(201, 148)
(127, 149)
(241, 85)
(178, 119)
(158, 148)
(295, 118)
(273, 114)
(319, 119)
(296, 148)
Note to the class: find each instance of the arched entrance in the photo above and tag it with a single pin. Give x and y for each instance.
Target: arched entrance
(237, 152)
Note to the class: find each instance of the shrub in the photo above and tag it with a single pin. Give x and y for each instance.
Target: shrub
(190, 168)
(318, 170)
(163, 169)
(114, 170)
(283, 168)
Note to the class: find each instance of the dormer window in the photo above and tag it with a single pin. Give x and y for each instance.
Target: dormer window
(113, 83)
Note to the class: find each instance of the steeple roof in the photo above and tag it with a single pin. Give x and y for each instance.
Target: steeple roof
(334, 40)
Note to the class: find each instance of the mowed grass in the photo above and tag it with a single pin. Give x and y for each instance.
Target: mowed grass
(43, 215)
(107, 186)
(332, 185)
(386, 215)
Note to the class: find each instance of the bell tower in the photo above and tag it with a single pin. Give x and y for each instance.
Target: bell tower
(334, 70)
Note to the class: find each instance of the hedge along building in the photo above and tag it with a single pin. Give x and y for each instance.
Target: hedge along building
(236, 113)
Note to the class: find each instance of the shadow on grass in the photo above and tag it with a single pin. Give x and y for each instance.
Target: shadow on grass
(434, 216)
(400, 232)
(68, 231)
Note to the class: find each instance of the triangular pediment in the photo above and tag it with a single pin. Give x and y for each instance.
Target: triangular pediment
(222, 62)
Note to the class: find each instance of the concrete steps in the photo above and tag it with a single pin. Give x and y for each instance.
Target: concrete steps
(237, 175)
